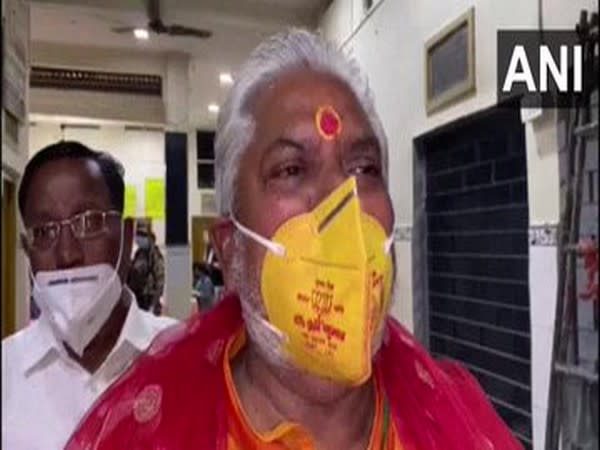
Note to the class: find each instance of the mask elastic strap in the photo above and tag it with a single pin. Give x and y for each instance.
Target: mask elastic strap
(122, 235)
(387, 244)
(274, 247)
(34, 283)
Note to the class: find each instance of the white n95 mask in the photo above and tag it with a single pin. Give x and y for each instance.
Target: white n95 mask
(77, 302)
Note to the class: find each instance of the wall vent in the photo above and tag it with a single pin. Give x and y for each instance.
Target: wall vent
(88, 80)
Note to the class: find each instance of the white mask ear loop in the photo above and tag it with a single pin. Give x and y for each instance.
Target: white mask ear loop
(121, 238)
(274, 247)
(387, 244)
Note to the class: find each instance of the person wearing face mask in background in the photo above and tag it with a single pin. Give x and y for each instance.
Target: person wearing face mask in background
(90, 328)
(301, 354)
(147, 273)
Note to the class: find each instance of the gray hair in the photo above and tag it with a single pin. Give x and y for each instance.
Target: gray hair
(279, 54)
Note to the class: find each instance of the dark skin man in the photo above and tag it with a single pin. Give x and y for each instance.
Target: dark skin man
(58, 191)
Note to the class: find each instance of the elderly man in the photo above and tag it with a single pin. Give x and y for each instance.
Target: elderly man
(301, 354)
(90, 328)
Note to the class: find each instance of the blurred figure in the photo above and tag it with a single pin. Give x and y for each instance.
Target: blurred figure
(204, 288)
(147, 274)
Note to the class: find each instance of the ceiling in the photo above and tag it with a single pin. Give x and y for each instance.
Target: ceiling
(237, 27)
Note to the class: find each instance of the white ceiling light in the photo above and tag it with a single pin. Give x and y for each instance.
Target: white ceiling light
(141, 33)
(225, 79)
(213, 108)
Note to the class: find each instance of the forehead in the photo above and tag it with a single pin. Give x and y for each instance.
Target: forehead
(67, 183)
(299, 93)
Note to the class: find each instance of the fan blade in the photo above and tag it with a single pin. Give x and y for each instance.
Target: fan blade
(153, 11)
(180, 30)
(122, 30)
(158, 27)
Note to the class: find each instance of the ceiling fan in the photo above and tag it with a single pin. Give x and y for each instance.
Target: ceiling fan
(157, 26)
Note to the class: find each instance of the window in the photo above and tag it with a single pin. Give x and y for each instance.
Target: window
(205, 159)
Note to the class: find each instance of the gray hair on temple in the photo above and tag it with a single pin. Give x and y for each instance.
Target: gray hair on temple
(283, 52)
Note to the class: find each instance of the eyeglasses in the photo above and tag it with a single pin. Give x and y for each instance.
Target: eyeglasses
(86, 225)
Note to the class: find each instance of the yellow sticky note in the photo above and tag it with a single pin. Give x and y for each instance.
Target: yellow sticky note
(130, 207)
(154, 198)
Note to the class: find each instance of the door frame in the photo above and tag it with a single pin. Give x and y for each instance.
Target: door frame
(9, 254)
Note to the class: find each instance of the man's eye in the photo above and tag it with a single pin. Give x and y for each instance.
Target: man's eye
(289, 171)
(366, 169)
(43, 233)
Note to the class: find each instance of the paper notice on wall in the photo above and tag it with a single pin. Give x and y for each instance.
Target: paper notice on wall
(130, 207)
(154, 198)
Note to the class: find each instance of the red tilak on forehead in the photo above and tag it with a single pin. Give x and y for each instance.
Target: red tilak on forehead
(328, 122)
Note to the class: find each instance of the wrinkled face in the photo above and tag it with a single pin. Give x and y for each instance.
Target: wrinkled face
(58, 191)
(291, 165)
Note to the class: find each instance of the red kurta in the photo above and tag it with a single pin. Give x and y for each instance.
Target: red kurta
(175, 396)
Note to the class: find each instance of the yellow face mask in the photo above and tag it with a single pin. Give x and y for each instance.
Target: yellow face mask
(326, 284)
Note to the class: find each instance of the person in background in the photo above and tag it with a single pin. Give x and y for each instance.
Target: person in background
(90, 328)
(147, 274)
(204, 289)
(302, 353)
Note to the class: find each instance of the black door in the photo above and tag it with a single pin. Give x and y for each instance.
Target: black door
(477, 257)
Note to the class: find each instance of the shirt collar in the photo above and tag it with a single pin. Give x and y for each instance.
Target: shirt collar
(41, 341)
(137, 330)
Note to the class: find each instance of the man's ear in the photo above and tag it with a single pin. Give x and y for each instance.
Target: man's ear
(221, 238)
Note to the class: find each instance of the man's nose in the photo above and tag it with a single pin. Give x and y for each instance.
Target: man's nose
(330, 178)
(68, 250)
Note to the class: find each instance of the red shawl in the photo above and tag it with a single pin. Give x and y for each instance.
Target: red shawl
(174, 397)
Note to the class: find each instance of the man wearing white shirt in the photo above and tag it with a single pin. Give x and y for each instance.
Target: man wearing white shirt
(90, 328)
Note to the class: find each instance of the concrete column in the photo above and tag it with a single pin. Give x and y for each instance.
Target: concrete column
(178, 276)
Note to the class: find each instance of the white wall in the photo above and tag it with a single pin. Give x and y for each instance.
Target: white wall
(202, 75)
(118, 60)
(388, 43)
(562, 14)
(100, 105)
(176, 91)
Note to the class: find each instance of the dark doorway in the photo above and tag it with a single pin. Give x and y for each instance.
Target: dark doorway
(472, 183)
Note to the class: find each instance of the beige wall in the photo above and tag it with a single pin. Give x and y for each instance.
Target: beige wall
(100, 105)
